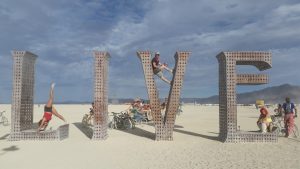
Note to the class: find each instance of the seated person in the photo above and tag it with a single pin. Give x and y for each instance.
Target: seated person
(135, 110)
(264, 120)
(91, 115)
(158, 68)
(279, 111)
(137, 116)
(92, 109)
(146, 110)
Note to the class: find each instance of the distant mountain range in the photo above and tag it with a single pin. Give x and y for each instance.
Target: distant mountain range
(271, 95)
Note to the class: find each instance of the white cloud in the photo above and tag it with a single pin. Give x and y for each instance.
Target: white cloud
(63, 34)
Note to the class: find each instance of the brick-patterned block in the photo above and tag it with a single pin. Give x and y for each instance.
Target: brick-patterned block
(101, 61)
(22, 102)
(164, 126)
(228, 80)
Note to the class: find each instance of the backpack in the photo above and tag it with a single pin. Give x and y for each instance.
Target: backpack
(288, 107)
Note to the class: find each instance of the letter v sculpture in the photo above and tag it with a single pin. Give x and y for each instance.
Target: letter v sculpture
(164, 126)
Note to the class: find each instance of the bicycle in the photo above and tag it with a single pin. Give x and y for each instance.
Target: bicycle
(3, 119)
(278, 123)
(87, 119)
(121, 121)
(179, 110)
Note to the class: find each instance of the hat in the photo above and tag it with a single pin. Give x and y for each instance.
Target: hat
(156, 53)
(137, 99)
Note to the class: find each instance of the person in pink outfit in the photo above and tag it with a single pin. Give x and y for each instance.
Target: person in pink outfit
(290, 112)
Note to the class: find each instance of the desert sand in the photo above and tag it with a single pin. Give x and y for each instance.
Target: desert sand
(195, 145)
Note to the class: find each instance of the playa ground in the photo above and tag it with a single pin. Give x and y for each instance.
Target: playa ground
(195, 145)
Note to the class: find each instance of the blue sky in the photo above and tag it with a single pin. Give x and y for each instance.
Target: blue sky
(63, 34)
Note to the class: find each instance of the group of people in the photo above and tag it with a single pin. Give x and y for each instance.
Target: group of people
(287, 111)
(139, 111)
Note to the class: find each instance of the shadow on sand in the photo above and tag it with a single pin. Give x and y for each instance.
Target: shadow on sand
(294, 139)
(191, 133)
(140, 132)
(175, 126)
(253, 117)
(144, 133)
(4, 137)
(87, 131)
(9, 149)
(197, 134)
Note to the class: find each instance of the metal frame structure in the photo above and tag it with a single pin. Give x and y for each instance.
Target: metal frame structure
(23, 96)
(228, 79)
(100, 95)
(164, 125)
(22, 127)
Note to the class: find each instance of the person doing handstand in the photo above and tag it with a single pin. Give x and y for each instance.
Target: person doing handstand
(48, 111)
(158, 68)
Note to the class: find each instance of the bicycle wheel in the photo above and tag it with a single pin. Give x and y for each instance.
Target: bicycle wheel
(84, 120)
(296, 131)
(133, 123)
(116, 123)
(111, 124)
(278, 130)
(91, 120)
(127, 123)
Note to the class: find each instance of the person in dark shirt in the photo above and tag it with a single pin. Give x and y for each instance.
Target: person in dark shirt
(158, 68)
(290, 112)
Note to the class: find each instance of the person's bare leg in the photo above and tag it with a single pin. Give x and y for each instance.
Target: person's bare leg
(167, 68)
(51, 95)
(42, 124)
(165, 80)
(57, 114)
